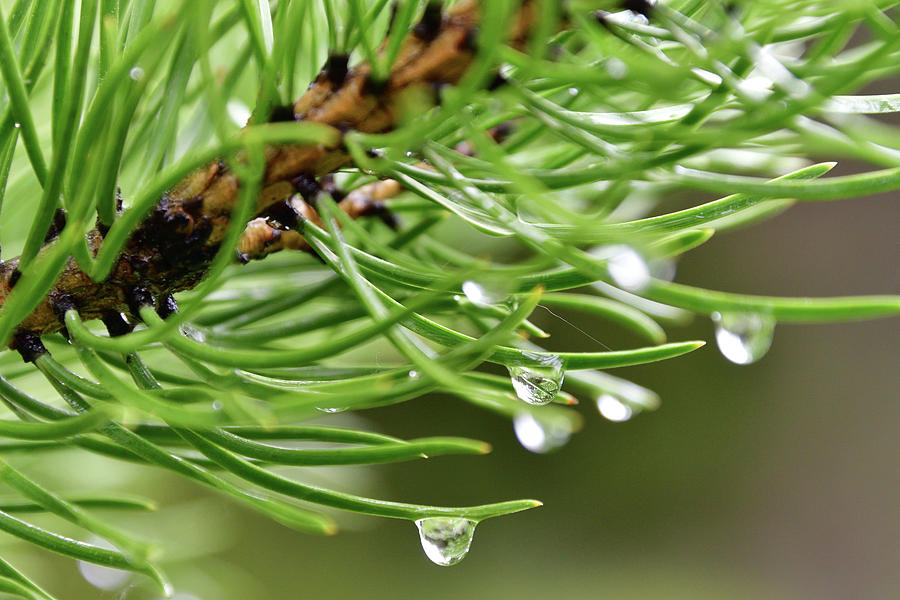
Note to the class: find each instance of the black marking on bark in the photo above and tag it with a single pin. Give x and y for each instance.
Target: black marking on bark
(497, 82)
(374, 87)
(306, 185)
(282, 213)
(167, 306)
(28, 345)
(641, 7)
(430, 25)
(137, 297)
(116, 323)
(56, 225)
(282, 114)
(336, 69)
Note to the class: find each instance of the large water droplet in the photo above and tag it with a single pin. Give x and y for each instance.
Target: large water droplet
(104, 578)
(628, 269)
(614, 409)
(540, 436)
(743, 338)
(538, 385)
(446, 540)
(136, 73)
(486, 291)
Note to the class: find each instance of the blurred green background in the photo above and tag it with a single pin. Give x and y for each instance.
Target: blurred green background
(776, 480)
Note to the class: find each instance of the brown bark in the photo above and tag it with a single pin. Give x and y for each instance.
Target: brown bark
(171, 249)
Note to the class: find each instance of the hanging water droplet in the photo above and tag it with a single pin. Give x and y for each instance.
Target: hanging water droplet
(538, 385)
(540, 436)
(136, 73)
(628, 269)
(104, 578)
(486, 291)
(446, 540)
(614, 409)
(743, 338)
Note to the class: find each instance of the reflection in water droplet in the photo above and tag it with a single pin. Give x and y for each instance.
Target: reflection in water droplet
(628, 269)
(446, 540)
(538, 436)
(743, 338)
(486, 291)
(613, 409)
(538, 385)
(104, 578)
(136, 73)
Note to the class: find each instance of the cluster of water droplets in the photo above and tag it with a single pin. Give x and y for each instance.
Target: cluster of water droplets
(538, 385)
(446, 540)
(743, 338)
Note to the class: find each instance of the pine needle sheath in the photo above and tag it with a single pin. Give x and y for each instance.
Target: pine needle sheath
(172, 248)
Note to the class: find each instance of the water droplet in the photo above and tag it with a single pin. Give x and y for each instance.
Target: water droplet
(487, 291)
(330, 409)
(538, 385)
(217, 405)
(743, 338)
(17, 125)
(573, 91)
(446, 540)
(457, 297)
(663, 269)
(628, 269)
(616, 68)
(614, 409)
(238, 112)
(136, 73)
(540, 436)
(413, 374)
(193, 333)
(104, 578)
